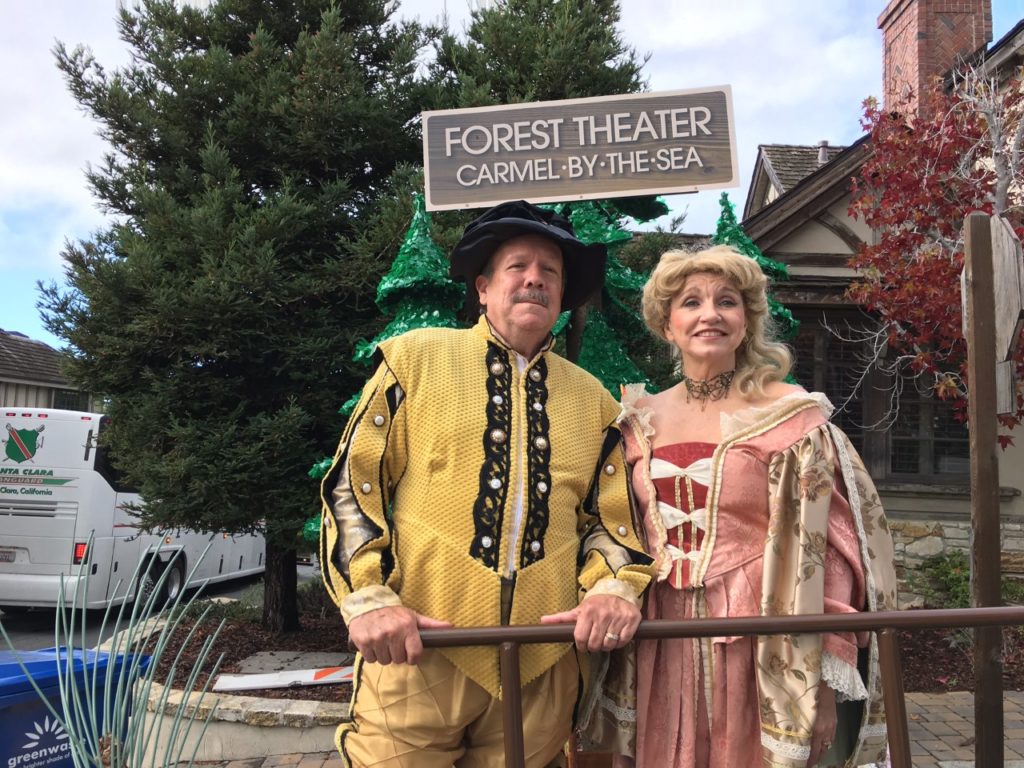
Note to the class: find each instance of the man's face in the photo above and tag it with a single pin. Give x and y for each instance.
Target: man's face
(522, 292)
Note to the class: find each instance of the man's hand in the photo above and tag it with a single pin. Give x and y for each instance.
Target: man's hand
(391, 635)
(603, 622)
(824, 730)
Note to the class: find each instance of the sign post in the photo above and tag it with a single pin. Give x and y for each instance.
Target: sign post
(1008, 271)
(580, 149)
(980, 325)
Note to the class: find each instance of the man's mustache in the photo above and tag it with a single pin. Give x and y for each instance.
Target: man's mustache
(529, 294)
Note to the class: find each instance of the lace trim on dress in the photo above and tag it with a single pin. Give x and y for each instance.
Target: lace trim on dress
(731, 423)
(842, 678)
(623, 714)
(785, 749)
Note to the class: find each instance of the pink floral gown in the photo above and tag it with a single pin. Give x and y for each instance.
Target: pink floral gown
(711, 513)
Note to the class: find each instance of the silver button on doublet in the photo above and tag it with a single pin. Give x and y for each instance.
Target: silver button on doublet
(541, 443)
(498, 435)
(622, 530)
(367, 487)
(487, 542)
(378, 420)
(497, 368)
(535, 374)
(495, 483)
(497, 400)
(535, 546)
(609, 469)
(542, 487)
(538, 407)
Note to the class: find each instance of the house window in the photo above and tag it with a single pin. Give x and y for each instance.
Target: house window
(825, 363)
(918, 441)
(926, 439)
(70, 400)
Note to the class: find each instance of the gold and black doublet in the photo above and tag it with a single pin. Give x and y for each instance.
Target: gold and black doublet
(463, 466)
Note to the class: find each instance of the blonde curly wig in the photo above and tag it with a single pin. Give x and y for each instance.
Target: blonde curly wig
(759, 361)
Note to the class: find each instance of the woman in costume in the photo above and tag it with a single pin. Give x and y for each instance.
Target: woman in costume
(753, 503)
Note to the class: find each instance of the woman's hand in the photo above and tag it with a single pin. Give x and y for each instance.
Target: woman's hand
(824, 730)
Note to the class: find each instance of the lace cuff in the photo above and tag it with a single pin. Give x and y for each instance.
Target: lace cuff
(367, 599)
(615, 588)
(631, 393)
(842, 678)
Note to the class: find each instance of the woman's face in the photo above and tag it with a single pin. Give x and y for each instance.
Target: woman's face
(707, 321)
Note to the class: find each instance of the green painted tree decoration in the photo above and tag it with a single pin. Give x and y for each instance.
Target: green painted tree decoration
(614, 325)
(729, 232)
(416, 290)
(602, 355)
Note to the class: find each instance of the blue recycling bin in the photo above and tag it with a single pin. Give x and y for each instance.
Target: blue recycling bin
(31, 737)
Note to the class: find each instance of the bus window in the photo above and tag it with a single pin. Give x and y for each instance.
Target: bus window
(103, 465)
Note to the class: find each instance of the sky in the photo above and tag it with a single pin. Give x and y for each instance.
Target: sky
(799, 71)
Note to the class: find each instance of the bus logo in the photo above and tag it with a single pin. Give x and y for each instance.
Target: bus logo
(22, 444)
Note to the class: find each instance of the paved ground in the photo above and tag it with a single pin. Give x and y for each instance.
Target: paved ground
(942, 729)
(941, 735)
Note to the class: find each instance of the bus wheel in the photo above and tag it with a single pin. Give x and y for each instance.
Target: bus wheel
(175, 581)
(147, 583)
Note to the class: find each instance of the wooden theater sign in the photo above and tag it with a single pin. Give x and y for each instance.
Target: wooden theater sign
(580, 149)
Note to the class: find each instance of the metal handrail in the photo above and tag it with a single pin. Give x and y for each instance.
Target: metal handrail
(884, 622)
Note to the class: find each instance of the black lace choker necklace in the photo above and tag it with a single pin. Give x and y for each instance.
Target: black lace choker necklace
(703, 390)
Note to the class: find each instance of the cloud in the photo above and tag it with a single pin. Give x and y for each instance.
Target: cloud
(46, 142)
(799, 72)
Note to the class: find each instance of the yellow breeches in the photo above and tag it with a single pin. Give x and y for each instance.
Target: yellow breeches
(432, 716)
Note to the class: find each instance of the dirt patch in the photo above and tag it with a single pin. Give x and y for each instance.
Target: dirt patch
(938, 660)
(239, 640)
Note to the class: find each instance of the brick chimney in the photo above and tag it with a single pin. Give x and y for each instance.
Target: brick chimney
(924, 39)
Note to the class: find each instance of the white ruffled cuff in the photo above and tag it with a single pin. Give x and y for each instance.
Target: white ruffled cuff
(842, 678)
(630, 394)
(368, 599)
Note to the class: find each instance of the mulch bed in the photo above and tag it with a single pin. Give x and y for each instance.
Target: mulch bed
(240, 640)
(934, 660)
(940, 660)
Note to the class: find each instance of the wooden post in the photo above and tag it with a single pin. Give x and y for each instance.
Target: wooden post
(895, 703)
(985, 549)
(574, 336)
(512, 705)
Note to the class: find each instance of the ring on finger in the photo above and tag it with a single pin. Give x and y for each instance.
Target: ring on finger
(611, 636)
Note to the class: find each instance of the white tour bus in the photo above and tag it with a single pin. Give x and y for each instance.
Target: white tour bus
(58, 490)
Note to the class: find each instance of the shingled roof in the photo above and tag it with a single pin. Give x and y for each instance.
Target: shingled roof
(24, 359)
(789, 164)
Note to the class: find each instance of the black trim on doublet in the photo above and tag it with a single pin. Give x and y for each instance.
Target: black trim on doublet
(538, 452)
(490, 501)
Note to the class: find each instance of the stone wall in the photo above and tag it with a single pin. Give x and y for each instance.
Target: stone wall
(916, 540)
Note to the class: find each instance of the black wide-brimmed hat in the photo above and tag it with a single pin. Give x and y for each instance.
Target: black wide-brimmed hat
(583, 264)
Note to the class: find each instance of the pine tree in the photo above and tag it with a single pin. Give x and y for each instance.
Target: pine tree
(536, 50)
(612, 323)
(219, 309)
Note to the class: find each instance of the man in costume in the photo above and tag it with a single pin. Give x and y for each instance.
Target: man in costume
(480, 482)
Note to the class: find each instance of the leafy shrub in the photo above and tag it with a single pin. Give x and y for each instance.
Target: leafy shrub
(947, 581)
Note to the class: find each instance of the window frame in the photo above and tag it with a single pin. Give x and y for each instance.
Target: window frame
(877, 445)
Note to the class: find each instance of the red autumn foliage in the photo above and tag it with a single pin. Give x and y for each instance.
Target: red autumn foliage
(920, 179)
